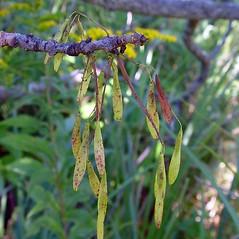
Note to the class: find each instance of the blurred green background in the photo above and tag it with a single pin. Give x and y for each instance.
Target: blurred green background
(37, 110)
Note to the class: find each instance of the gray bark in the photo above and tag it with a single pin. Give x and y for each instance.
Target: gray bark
(31, 43)
(189, 9)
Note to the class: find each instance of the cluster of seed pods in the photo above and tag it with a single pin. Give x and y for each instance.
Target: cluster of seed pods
(80, 147)
(81, 142)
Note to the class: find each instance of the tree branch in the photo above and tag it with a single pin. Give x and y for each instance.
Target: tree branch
(205, 58)
(190, 9)
(31, 43)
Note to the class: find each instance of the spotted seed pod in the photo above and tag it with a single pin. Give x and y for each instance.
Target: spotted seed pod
(93, 179)
(159, 191)
(99, 149)
(152, 109)
(82, 157)
(75, 138)
(86, 78)
(102, 206)
(117, 95)
(100, 89)
(176, 158)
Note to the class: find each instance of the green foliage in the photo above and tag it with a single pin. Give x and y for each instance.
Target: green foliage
(36, 160)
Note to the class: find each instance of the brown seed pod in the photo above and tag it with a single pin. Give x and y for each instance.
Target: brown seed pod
(165, 106)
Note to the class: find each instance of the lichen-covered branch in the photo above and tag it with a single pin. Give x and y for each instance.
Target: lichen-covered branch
(189, 9)
(32, 43)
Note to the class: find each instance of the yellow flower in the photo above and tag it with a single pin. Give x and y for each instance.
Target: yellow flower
(20, 6)
(75, 37)
(3, 64)
(130, 51)
(153, 34)
(46, 24)
(96, 33)
(118, 33)
(4, 12)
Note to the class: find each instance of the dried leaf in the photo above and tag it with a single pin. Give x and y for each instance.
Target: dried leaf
(159, 191)
(99, 149)
(165, 106)
(85, 79)
(176, 158)
(93, 179)
(117, 95)
(152, 109)
(102, 206)
(82, 158)
(75, 138)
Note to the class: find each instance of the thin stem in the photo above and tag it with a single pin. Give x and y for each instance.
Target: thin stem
(135, 95)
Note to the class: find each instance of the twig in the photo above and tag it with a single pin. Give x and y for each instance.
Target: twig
(218, 48)
(204, 57)
(86, 47)
(135, 95)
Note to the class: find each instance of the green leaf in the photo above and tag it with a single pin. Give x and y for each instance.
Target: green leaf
(26, 122)
(26, 143)
(176, 158)
(117, 95)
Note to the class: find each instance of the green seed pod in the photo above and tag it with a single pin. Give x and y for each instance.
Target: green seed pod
(102, 206)
(117, 95)
(93, 179)
(176, 158)
(99, 149)
(86, 78)
(62, 36)
(82, 158)
(159, 191)
(75, 138)
(152, 109)
(100, 89)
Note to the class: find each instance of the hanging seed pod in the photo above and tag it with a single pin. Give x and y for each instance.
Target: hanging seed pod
(93, 179)
(62, 36)
(99, 149)
(75, 138)
(102, 206)
(86, 78)
(176, 158)
(82, 158)
(165, 106)
(152, 109)
(117, 95)
(159, 191)
(100, 89)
